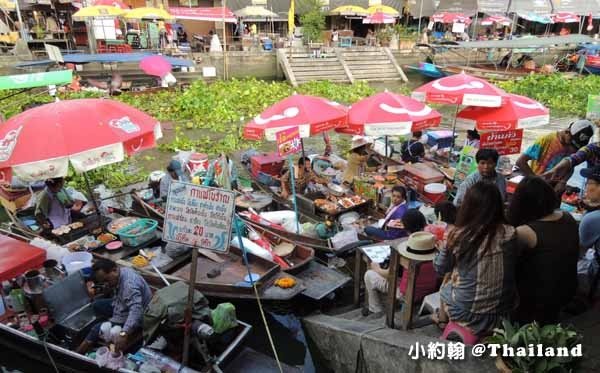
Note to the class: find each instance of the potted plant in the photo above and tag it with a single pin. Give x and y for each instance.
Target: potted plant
(563, 342)
(384, 36)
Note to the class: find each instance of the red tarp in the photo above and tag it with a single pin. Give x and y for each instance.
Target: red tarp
(17, 257)
(204, 14)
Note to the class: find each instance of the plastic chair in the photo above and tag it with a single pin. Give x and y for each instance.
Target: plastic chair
(465, 335)
(346, 41)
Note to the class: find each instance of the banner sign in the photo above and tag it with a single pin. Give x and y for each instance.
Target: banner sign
(199, 216)
(288, 141)
(593, 107)
(36, 79)
(505, 142)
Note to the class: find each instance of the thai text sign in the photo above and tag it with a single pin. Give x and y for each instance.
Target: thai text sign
(199, 216)
(505, 142)
(593, 107)
(288, 141)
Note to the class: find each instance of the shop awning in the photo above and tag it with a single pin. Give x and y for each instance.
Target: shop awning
(81, 58)
(36, 79)
(204, 14)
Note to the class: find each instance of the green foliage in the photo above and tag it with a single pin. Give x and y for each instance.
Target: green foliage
(548, 336)
(313, 21)
(342, 93)
(113, 176)
(566, 96)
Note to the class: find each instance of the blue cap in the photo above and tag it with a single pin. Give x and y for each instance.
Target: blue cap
(175, 166)
(591, 173)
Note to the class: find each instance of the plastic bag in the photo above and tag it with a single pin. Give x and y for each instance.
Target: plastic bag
(344, 238)
(587, 271)
(223, 318)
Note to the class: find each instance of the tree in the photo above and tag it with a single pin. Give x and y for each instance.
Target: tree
(313, 20)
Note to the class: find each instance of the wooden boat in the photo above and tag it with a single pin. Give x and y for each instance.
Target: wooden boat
(426, 69)
(485, 71)
(46, 355)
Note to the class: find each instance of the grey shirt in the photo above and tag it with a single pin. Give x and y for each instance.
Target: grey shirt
(589, 231)
(472, 179)
(131, 299)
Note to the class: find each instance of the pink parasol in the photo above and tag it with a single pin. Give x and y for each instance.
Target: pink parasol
(155, 65)
(460, 89)
(379, 18)
(446, 17)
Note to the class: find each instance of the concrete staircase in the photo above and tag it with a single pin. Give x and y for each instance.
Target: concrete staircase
(372, 64)
(304, 67)
(345, 65)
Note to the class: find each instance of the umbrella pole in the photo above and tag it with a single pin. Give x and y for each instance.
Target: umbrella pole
(302, 145)
(454, 127)
(89, 189)
(386, 146)
(293, 184)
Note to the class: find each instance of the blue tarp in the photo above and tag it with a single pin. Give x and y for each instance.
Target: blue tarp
(81, 58)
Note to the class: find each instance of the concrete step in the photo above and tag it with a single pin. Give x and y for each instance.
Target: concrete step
(333, 80)
(373, 79)
(382, 70)
(319, 70)
(316, 74)
(310, 56)
(368, 62)
(315, 63)
(366, 53)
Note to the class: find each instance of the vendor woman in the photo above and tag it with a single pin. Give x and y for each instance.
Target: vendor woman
(357, 160)
(174, 172)
(54, 207)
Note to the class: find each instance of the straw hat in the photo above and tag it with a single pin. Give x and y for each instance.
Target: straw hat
(358, 141)
(419, 246)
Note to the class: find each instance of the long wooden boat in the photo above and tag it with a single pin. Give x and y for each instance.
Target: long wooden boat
(488, 71)
(45, 356)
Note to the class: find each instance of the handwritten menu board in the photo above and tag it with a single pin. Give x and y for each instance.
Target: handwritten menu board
(505, 142)
(199, 216)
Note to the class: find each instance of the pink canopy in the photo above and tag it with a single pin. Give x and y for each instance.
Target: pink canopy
(217, 14)
(446, 17)
(565, 17)
(501, 20)
(379, 18)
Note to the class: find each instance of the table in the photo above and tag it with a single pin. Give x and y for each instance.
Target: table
(396, 260)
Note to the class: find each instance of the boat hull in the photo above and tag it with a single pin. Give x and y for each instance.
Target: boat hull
(427, 69)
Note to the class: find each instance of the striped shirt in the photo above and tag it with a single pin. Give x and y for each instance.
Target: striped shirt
(131, 299)
(589, 153)
(474, 178)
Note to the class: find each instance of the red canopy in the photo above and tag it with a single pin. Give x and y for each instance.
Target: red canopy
(390, 114)
(500, 19)
(116, 3)
(565, 17)
(39, 143)
(311, 114)
(446, 17)
(460, 89)
(517, 112)
(204, 14)
(379, 18)
(18, 257)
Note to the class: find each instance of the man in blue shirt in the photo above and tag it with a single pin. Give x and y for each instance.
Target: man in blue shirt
(486, 171)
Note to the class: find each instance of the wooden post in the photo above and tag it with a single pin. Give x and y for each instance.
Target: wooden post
(189, 307)
(224, 42)
(391, 294)
(357, 270)
(407, 309)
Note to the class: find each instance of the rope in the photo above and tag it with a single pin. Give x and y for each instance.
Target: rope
(48, 352)
(262, 313)
(360, 368)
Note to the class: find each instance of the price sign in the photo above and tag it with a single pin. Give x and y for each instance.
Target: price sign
(505, 142)
(593, 107)
(288, 141)
(199, 216)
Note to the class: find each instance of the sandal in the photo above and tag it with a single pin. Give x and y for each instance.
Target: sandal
(436, 319)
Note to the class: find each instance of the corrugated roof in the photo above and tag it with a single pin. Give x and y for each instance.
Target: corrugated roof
(533, 42)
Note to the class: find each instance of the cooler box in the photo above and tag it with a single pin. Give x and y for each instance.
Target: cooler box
(18, 257)
(417, 175)
(443, 139)
(269, 163)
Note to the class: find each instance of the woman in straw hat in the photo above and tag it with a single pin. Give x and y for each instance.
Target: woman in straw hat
(359, 154)
(480, 258)
(419, 246)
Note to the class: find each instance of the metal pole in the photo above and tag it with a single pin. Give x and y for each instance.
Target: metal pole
(91, 192)
(224, 42)
(188, 308)
(293, 184)
(420, 16)
(21, 25)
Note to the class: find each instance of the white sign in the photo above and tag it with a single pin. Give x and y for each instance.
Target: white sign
(458, 27)
(199, 216)
(105, 29)
(209, 71)
(54, 53)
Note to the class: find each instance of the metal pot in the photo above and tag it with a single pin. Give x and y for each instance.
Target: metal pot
(336, 190)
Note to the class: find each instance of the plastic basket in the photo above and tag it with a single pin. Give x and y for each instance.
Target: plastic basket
(244, 183)
(138, 233)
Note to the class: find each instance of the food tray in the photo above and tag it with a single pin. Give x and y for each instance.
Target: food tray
(116, 225)
(138, 233)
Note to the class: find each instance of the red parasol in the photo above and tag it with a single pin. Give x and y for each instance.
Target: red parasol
(156, 65)
(565, 17)
(460, 89)
(379, 18)
(389, 114)
(517, 112)
(115, 3)
(446, 17)
(311, 114)
(39, 143)
(499, 19)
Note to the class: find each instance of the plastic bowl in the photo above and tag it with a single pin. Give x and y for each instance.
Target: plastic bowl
(114, 245)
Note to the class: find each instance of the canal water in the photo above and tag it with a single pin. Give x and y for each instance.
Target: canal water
(284, 324)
